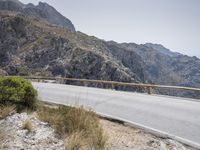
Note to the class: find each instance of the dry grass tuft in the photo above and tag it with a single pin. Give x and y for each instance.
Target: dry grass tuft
(1, 136)
(28, 126)
(98, 138)
(6, 110)
(53, 117)
(75, 141)
(81, 127)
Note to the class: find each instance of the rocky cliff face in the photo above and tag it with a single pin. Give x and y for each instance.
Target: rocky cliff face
(42, 11)
(33, 47)
(168, 68)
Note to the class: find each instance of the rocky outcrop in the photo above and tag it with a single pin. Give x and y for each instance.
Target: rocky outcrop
(130, 59)
(55, 51)
(3, 73)
(168, 68)
(42, 11)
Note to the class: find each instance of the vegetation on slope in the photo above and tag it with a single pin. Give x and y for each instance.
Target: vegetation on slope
(28, 126)
(80, 127)
(18, 91)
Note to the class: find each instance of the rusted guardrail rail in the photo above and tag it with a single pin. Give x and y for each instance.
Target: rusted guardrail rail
(115, 83)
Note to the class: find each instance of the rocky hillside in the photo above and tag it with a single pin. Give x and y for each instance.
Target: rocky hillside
(42, 11)
(30, 46)
(33, 47)
(167, 68)
(161, 66)
(162, 49)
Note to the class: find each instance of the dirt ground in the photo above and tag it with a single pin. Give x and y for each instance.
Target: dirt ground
(121, 137)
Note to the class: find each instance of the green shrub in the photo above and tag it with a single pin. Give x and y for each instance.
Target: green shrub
(16, 90)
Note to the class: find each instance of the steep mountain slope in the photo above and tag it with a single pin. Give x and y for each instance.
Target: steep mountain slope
(42, 11)
(173, 69)
(34, 47)
(168, 69)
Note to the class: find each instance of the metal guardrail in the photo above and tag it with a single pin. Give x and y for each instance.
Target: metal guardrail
(149, 87)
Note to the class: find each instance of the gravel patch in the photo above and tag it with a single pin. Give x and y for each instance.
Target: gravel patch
(42, 137)
(16, 138)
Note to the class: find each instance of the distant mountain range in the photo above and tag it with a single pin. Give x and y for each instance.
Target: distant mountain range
(37, 40)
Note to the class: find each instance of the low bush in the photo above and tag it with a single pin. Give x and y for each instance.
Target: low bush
(16, 90)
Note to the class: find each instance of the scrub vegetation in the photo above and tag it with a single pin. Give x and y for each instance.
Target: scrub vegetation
(17, 91)
(81, 128)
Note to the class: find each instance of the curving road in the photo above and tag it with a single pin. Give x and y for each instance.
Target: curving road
(177, 118)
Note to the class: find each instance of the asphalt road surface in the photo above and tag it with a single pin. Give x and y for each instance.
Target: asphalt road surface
(175, 116)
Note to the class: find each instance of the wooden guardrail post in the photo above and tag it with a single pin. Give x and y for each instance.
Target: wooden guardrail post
(113, 86)
(82, 83)
(149, 90)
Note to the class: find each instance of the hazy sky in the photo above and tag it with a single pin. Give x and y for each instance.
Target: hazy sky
(172, 23)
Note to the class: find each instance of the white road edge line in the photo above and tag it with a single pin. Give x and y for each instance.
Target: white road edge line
(147, 129)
